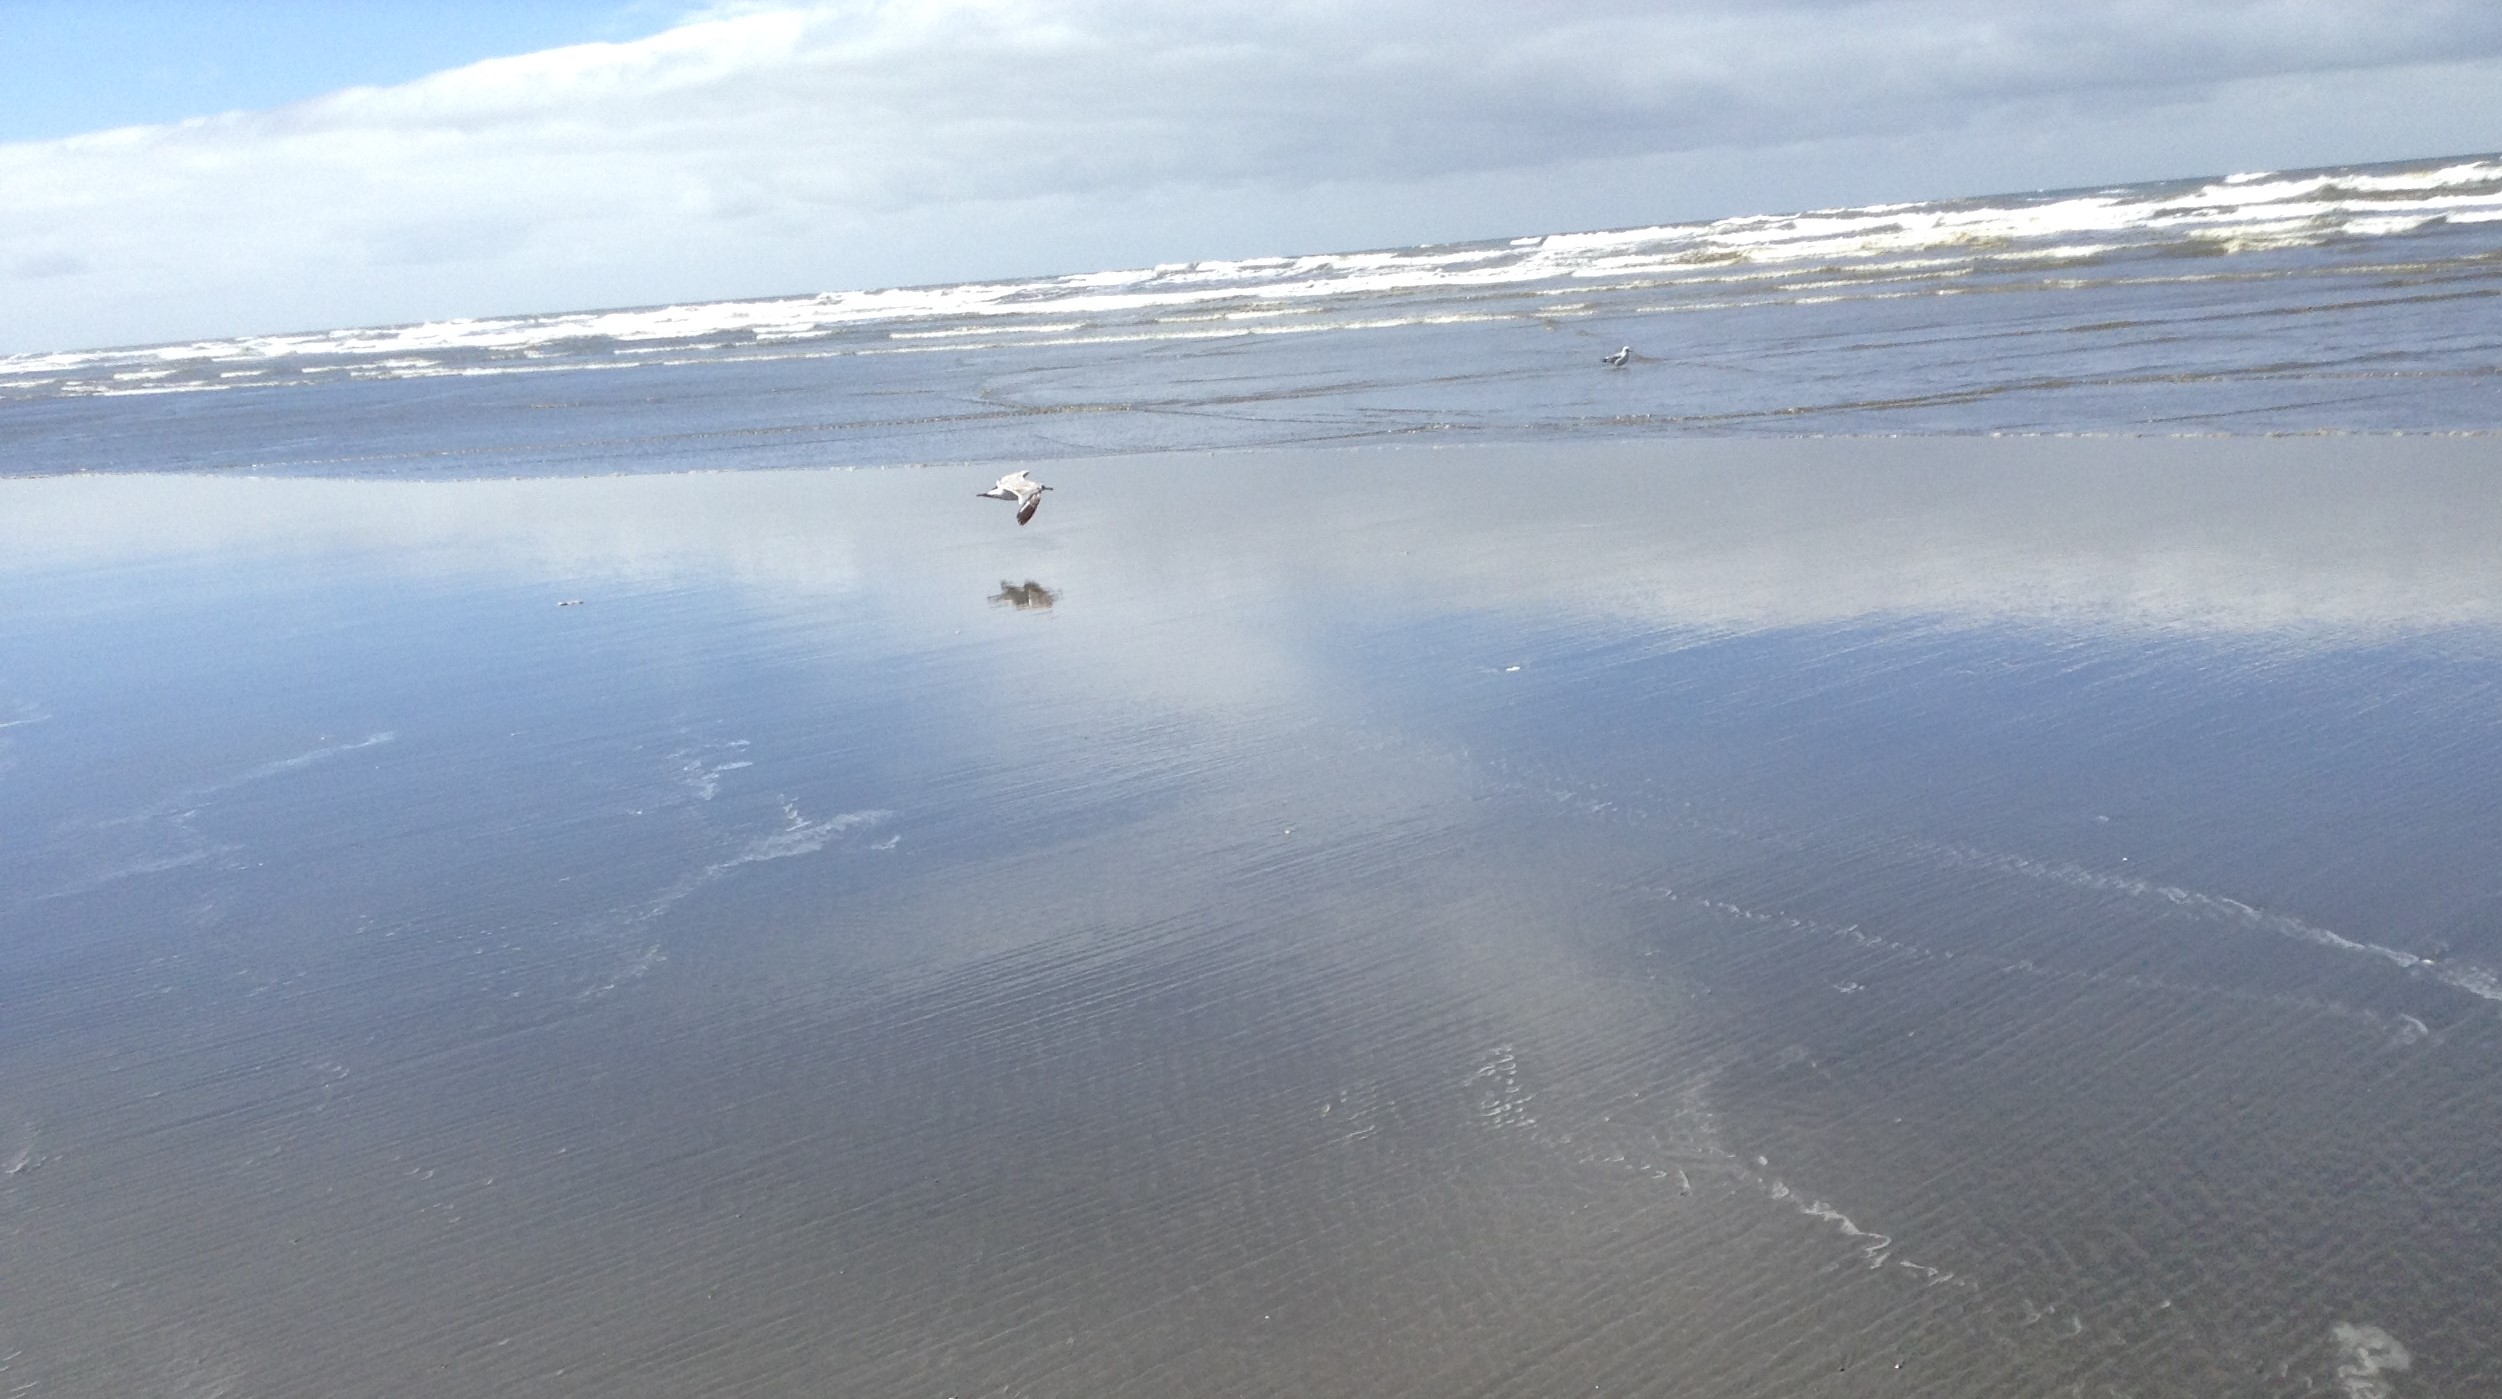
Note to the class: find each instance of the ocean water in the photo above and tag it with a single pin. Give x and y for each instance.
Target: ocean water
(1767, 919)
(2352, 299)
(1933, 834)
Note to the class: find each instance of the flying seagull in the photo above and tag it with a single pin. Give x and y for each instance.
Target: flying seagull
(1021, 488)
(1617, 360)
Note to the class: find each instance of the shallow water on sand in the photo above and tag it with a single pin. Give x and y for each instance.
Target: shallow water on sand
(1842, 918)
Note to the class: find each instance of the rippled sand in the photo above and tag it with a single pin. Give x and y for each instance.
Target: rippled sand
(1768, 919)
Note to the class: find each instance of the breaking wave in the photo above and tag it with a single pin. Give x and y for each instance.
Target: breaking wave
(2136, 234)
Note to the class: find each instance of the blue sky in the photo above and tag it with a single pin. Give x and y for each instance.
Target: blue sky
(188, 169)
(87, 65)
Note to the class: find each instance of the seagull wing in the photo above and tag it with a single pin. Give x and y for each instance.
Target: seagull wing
(1033, 502)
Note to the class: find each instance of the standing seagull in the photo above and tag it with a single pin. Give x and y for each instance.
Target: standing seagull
(1021, 488)
(1617, 360)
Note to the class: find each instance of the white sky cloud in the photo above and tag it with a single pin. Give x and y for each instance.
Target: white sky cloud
(760, 150)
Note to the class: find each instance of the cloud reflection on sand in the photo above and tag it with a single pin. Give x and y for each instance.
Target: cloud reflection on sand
(1477, 921)
(2217, 535)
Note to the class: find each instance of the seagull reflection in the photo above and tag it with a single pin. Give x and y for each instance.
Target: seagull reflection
(1026, 596)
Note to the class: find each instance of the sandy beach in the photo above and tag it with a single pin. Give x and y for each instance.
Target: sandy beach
(1793, 918)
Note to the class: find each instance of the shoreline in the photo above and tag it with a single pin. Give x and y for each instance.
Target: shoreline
(1469, 443)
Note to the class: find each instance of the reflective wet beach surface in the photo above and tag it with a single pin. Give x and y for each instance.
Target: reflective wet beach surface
(1781, 918)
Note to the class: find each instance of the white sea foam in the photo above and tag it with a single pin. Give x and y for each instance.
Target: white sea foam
(166, 830)
(2478, 981)
(633, 968)
(798, 836)
(1924, 244)
(2365, 1354)
(1873, 1246)
(1502, 1101)
(2402, 1030)
(700, 775)
(1875, 1249)
(304, 760)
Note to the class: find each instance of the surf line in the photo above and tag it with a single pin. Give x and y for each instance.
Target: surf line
(2402, 1029)
(2474, 980)
(1876, 1248)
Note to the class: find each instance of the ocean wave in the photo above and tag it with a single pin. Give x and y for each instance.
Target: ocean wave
(1886, 249)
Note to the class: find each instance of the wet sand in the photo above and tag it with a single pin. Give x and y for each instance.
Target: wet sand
(1813, 918)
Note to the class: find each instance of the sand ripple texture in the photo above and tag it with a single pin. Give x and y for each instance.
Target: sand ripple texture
(683, 935)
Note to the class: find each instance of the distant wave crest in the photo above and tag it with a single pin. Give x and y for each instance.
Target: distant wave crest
(2095, 236)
